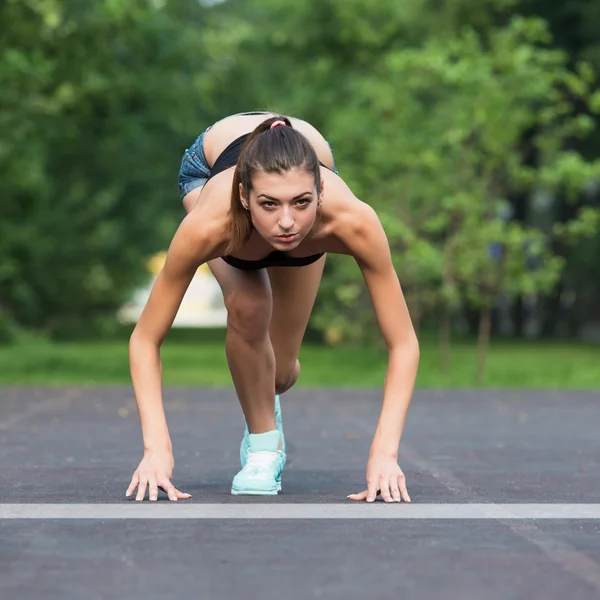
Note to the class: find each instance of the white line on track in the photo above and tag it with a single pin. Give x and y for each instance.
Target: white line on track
(182, 510)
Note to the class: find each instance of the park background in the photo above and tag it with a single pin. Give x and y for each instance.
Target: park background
(471, 127)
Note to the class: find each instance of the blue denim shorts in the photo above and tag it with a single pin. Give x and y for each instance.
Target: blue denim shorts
(194, 171)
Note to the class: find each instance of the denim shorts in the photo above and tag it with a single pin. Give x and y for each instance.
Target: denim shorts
(194, 171)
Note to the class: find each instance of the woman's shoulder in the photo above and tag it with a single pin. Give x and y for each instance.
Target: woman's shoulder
(347, 219)
(203, 231)
(355, 219)
(342, 203)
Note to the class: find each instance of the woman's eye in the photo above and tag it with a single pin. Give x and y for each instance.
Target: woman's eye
(301, 203)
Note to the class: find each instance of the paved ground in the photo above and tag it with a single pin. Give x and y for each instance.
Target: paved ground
(505, 489)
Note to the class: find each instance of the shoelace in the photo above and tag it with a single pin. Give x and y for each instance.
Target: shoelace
(261, 459)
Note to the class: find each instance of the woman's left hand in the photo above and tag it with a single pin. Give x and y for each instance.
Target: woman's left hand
(384, 476)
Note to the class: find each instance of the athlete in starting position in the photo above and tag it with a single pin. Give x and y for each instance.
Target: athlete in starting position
(262, 195)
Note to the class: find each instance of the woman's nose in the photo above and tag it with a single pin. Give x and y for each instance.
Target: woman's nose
(286, 220)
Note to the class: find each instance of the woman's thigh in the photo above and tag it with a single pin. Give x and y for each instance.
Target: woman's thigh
(277, 299)
(247, 297)
(190, 199)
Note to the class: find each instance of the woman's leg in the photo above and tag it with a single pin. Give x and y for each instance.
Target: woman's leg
(247, 296)
(266, 320)
(294, 292)
(189, 200)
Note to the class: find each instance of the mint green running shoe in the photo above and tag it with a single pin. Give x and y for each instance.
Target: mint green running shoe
(278, 422)
(261, 475)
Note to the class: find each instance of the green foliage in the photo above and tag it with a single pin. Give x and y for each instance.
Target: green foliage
(439, 151)
(201, 362)
(99, 101)
(440, 114)
(8, 329)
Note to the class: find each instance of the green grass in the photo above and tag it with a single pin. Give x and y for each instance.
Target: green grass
(188, 362)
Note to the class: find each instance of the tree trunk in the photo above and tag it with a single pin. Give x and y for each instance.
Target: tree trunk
(483, 340)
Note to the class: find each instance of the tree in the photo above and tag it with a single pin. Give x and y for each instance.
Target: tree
(99, 101)
(439, 151)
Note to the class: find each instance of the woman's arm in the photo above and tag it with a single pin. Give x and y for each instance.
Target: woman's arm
(366, 239)
(372, 253)
(192, 245)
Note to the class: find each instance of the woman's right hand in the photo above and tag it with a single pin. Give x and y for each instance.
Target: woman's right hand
(154, 471)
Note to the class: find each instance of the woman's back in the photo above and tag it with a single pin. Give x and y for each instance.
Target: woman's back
(223, 132)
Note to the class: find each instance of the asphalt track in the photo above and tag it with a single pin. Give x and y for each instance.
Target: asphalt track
(505, 492)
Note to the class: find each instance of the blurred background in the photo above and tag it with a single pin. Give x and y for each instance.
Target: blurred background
(470, 125)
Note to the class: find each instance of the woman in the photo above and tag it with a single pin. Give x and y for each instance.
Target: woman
(264, 205)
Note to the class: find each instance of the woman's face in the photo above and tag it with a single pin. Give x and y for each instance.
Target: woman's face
(283, 207)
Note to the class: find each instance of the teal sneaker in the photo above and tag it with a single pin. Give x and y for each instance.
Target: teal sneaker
(261, 475)
(278, 422)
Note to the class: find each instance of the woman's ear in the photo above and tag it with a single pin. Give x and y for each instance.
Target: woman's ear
(243, 198)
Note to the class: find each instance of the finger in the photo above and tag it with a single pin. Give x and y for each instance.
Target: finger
(394, 489)
(174, 494)
(153, 490)
(141, 489)
(385, 489)
(402, 486)
(360, 496)
(132, 485)
(372, 490)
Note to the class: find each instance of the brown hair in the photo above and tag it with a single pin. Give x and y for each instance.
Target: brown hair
(276, 150)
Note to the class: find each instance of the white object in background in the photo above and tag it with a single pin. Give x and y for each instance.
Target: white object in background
(202, 304)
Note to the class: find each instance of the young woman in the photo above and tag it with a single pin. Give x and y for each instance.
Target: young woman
(264, 206)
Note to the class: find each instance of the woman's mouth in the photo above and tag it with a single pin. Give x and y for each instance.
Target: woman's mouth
(287, 238)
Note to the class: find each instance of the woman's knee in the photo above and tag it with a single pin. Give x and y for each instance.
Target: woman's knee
(285, 378)
(249, 314)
